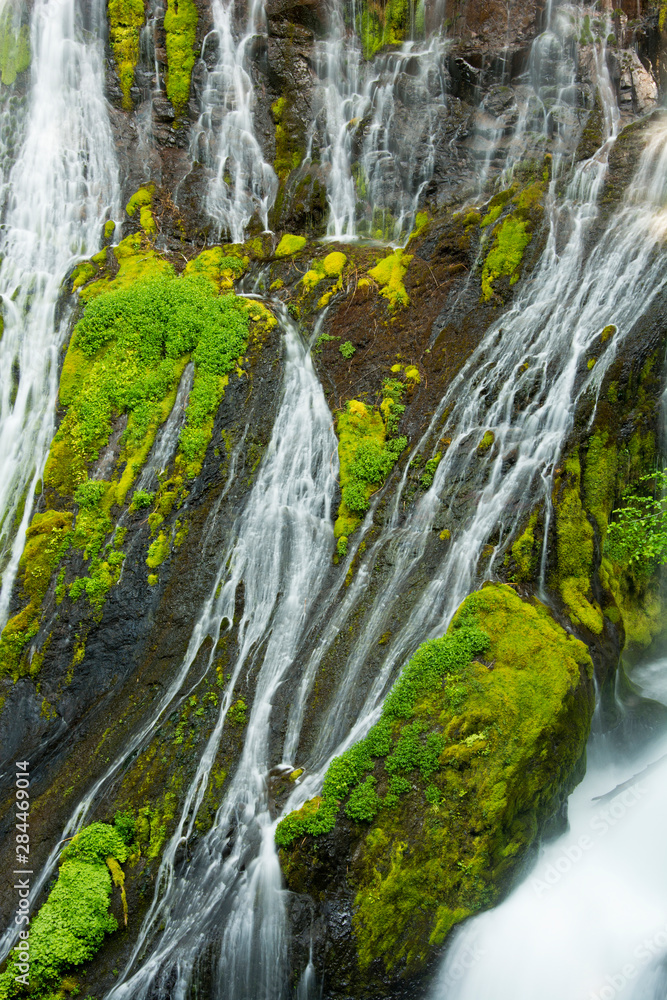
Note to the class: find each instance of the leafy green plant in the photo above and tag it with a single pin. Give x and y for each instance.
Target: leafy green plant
(141, 499)
(347, 349)
(638, 533)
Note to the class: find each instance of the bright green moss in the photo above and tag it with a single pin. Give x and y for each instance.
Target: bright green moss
(486, 442)
(237, 714)
(47, 540)
(83, 273)
(73, 922)
(143, 200)
(467, 762)
(574, 547)
(126, 18)
(221, 268)
(290, 245)
(180, 25)
(289, 150)
(387, 24)
(14, 44)
(525, 552)
(158, 551)
(365, 458)
(330, 266)
(389, 274)
(504, 258)
(109, 229)
(600, 475)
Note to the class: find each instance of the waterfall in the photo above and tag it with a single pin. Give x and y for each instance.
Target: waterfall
(62, 186)
(379, 156)
(590, 920)
(243, 184)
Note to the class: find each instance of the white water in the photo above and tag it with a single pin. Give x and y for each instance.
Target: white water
(243, 184)
(590, 920)
(378, 159)
(63, 186)
(280, 552)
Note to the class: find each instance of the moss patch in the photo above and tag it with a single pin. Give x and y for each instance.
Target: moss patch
(389, 274)
(14, 44)
(469, 759)
(290, 244)
(512, 235)
(126, 19)
(574, 548)
(180, 25)
(143, 200)
(72, 924)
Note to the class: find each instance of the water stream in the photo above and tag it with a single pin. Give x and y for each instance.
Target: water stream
(63, 185)
(243, 185)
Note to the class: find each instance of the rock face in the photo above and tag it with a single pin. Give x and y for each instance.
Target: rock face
(428, 819)
(436, 359)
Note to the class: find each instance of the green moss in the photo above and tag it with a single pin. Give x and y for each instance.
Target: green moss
(600, 476)
(221, 269)
(236, 716)
(486, 442)
(525, 552)
(389, 274)
(14, 44)
(465, 765)
(366, 460)
(180, 25)
(290, 245)
(158, 551)
(506, 255)
(109, 229)
(512, 235)
(71, 925)
(47, 541)
(574, 548)
(387, 24)
(289, 149)
(126, 18)
(143, 200)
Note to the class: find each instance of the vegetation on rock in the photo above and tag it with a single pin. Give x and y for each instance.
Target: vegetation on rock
(468, 761)
(126, 18)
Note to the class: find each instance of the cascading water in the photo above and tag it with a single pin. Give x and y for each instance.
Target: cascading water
(282, 549)
(243, 185)
(63, 185)
(379, 155)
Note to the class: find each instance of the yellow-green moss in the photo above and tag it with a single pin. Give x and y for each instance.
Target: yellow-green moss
(47, 540)
(126, 18)
(158, 551)
(14, 44)
(109, 229)
(512, 235)
(524, 552)
(486, 442)
(290, 244)
(331, 266)
(468, 761)
(389, 274)
(600, 475)
(289, 151)
(220, 267)
(357, 424)
(143, 200)
(574, 549)
(180, 25)
(387, 24)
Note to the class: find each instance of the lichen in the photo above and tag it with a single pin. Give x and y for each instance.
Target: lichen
(126, 18)
(180, 25)
(469, 759)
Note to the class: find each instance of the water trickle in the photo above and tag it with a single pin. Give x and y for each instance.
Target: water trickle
(63, 185)
(243, 185)
(376, 122)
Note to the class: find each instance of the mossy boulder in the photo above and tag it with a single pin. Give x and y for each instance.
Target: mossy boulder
(430, 818)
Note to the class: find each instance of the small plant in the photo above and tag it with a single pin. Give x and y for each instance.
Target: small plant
(347, 349)
(141, 499)
(89, 493)
(638, 535)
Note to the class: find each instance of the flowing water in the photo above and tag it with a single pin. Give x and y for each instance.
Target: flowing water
(62, 187)
(243, 185)
(379, 153)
